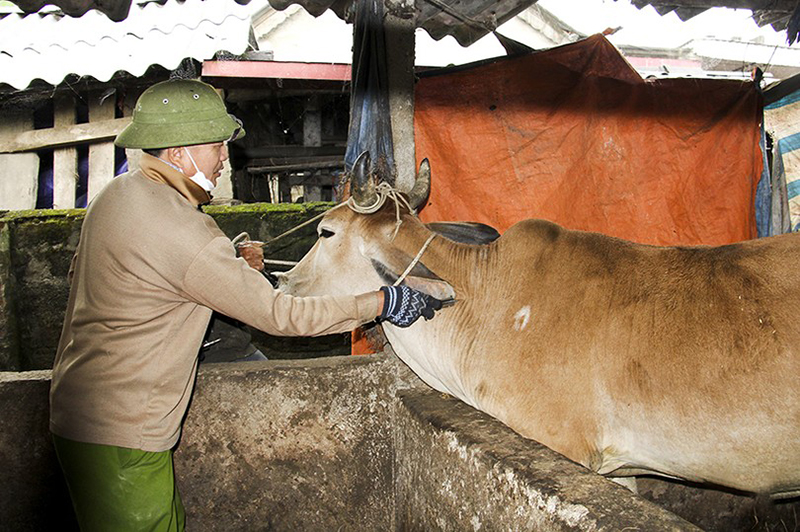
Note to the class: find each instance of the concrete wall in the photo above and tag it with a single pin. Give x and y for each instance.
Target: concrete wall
(342, 443)
(290, 446)
(33, 494)
(353, 443)
(459, 469)
(36, 248)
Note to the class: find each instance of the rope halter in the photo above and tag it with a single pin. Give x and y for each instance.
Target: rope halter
(383, 192)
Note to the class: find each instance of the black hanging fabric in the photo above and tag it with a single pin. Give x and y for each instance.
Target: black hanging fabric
(370, 120)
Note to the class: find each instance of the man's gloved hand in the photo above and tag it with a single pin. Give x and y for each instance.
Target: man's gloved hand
(402, 305)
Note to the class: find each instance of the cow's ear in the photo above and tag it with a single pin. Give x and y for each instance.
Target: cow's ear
(465, 232)
(435, 287)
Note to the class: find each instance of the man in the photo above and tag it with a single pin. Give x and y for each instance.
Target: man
(149, 269)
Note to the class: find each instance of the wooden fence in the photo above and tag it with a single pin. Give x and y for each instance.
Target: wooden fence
(20, 145)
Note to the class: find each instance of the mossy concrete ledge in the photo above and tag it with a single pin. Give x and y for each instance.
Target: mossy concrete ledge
(36, 248)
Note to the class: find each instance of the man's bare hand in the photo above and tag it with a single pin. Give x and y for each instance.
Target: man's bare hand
(254, 255)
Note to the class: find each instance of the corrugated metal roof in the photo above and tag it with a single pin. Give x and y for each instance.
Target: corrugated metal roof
(52, 46)
(467, 21)
(774, 12)
(436, 16)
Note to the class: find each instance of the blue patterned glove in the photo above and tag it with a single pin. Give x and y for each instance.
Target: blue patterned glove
(402, 305)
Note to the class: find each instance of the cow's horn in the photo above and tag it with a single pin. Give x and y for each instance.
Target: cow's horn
(362, 186)
(422, 186)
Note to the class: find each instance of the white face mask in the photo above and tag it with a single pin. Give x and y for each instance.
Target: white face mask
(199, 177)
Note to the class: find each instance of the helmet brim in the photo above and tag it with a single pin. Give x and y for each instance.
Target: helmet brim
(153, 136)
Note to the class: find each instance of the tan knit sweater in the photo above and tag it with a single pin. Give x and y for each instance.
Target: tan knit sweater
(149, 268)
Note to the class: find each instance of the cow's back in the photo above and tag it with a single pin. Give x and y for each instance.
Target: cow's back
(680, 360)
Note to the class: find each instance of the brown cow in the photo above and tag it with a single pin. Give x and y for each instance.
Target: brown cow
(627, 358)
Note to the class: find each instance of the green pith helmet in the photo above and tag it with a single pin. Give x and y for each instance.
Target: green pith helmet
(180, 112)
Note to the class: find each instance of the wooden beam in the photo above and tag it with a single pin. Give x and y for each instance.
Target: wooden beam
(65, 160)
(295, 167)
(101, 155)
(293, 150)
(64, 135)
(268, 162)
(277, 70)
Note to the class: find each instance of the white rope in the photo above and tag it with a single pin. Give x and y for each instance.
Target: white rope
(244, 238)
(416, 260)
(383, 192)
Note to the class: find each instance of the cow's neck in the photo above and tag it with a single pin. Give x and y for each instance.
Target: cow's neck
(460, 265)
(429, 349)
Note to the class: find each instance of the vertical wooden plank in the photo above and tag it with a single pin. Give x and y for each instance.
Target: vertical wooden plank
(223, 192)
(65, 160)
(132, 155)
(296, 193)
(274, 188)
(19, 172)
(101, 156)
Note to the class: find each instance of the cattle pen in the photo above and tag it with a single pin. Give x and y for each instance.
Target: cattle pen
(330, 443)
(352, 443)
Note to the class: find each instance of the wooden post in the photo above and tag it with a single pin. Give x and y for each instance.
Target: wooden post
(312, 136)
(399, 26)
(101, 156)
(312, 122)
(65, 160)
(132, 155)
(274, 188)
(19, 172)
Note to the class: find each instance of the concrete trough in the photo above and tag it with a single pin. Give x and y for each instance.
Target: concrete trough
(341, 443)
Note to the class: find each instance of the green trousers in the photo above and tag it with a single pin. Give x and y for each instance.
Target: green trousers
(117, 489)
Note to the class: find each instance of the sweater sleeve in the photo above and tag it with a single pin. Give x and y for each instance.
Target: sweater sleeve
(219, 280)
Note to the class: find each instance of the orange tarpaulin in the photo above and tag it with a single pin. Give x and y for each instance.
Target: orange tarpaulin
(574, 135)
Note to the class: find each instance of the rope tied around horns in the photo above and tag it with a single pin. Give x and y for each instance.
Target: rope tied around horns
(383, 192)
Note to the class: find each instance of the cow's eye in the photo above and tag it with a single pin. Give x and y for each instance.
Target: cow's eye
(326, 233)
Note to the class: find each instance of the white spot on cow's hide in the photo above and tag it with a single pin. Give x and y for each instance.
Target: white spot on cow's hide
(476, 523)
(521, 318)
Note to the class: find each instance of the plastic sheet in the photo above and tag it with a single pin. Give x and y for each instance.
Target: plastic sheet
(576, 136)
